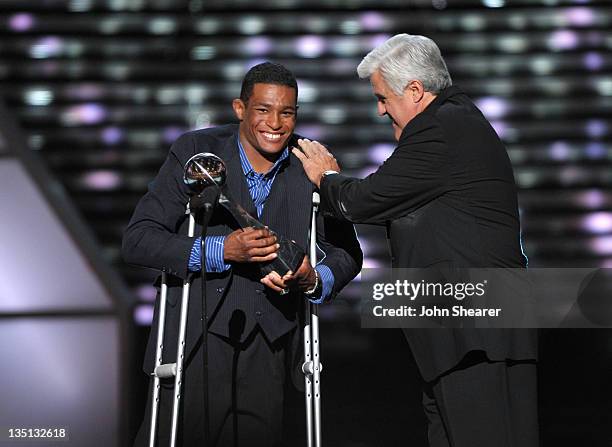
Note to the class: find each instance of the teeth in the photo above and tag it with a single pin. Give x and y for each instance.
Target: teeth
(272, 136)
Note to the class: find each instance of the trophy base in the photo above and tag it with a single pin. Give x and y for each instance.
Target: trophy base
(290, 257)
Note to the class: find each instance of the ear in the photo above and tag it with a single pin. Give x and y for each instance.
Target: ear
(239, 108)
(415, 91)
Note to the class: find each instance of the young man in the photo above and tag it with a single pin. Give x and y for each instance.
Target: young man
(254, 319)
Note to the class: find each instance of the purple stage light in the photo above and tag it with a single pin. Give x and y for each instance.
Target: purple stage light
(593, 198)
(146, 292)
(492, 107)
(84, 114)
(143, 315)
(373, 21)
(378, 39)
(596, 151)
(598, 223)
(112, 135)
(258, 46)
(596, 128)
(593, 61)
(380, 152)
(171, 134)
(103, 180)
(602, 245)
(312, 132)
(559, 151)
(580, 16)
(563, 40)
(500, 128)
(310, 46)
(21, 22)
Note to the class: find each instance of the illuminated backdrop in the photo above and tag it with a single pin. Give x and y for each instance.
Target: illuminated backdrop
(102, 89)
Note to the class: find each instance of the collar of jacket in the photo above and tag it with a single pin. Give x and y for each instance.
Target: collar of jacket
(430, 110)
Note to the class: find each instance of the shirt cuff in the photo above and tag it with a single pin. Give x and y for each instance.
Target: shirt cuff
(327, 282)
(214, 255)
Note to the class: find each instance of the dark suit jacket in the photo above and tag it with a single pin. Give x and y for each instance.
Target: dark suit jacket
(237, 302)
(447, 197)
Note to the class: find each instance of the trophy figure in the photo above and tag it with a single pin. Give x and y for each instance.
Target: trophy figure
(206, 170)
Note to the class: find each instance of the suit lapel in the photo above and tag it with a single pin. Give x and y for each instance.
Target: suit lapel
(236, 182)
(288, 202)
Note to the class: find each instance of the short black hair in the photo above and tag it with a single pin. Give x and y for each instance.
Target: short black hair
(266, 73)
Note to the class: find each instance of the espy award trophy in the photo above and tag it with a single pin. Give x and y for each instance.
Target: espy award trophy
(206, 170)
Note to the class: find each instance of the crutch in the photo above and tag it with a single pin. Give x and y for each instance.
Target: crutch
(166, 370)
(312, 364)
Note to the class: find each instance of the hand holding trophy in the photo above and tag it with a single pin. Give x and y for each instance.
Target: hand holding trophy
(206, 170)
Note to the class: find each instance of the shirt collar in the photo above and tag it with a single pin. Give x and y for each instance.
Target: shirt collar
(246, 164)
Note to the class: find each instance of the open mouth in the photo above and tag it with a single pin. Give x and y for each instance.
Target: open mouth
(272, 137)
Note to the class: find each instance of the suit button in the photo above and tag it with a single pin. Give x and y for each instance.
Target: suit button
(258, 291)
(258, 313)
(219, 289)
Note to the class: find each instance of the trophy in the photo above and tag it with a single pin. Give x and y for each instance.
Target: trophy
(206, 170)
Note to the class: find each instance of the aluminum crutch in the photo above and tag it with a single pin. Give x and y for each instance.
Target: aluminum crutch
(312, 364)
(163, 371)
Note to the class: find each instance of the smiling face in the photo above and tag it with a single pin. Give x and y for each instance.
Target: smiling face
(267, 121)
(400, 109)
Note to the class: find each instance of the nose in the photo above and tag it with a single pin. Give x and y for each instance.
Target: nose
(274, 121)
(382, 111)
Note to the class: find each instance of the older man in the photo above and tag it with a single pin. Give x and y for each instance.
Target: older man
(447, 197)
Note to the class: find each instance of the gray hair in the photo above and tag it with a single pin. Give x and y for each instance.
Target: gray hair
(404, 58)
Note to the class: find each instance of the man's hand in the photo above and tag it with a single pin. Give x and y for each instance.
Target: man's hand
(250, 245)
(304, 279)
(315, 159)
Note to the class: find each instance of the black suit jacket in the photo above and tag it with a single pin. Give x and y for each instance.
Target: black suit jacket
(447, 197)
(237, 302)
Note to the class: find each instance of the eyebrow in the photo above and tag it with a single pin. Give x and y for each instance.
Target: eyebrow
(269, 106)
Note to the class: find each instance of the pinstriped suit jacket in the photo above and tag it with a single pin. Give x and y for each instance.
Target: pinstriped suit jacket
(236, 301)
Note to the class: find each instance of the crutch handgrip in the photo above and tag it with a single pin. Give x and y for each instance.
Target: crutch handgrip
(308, 368)
(166, 370)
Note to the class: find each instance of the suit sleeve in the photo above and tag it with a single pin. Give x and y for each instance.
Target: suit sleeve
(151, 238)
(416, 173)
(340, 249)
